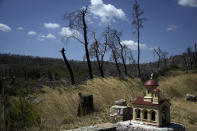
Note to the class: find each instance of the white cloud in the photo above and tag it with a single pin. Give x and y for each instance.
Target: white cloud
(106, 12)
(51, 25)
(133, 45)
(32, 33)
(172, 27)
(189, 3)
(49, 36)
(20, 28)
(5, 28)
(67, 32)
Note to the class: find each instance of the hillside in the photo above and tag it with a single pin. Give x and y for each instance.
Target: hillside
(31, 68)
(47, 80)
(39, 68)
(59, 106)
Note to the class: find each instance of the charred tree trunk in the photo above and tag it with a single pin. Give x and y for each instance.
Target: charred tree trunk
(122, 56)
(116, 62)
(100, 67)
(98, 61)
(101, 63)
(195, 55)
(68, 66)
(86, 45)
(123, 61)
(86, 105)
(138, 60)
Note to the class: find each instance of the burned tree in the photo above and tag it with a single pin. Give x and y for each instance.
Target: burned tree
(113, 45)
(98, 51)
(77, 21)
(138, 23)
(117, 35)
(68, 67)
(115, 57)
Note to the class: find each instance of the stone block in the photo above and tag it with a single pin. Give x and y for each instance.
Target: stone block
(119, 110)
(120, 113)
(121, 102)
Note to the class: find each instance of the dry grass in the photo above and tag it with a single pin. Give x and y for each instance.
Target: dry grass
(176, 87)
(60, 105)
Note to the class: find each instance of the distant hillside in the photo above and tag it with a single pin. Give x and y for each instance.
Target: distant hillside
(29, 67)
(37, 68)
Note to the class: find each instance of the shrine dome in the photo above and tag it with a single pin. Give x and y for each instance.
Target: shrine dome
(150, 83)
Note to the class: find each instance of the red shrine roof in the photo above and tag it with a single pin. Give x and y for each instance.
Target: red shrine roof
(150, 83)
(140, 101)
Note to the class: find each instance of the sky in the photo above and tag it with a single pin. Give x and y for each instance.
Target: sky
(36, 27)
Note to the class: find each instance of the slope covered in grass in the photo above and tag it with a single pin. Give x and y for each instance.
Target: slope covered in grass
(59, 106)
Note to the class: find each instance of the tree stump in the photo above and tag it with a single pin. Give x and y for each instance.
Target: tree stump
(85, 104)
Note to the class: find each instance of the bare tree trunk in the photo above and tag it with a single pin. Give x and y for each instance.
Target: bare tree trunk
(101, 63)
(122, 57)
(98, 61)
(116, 62)
(86, 45)
(68, 66)
(138, 61)
(125, 67)
(195, 55)
(102, 72)
(123, 61)
(100, 67)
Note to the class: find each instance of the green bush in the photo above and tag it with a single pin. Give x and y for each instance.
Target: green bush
(22, 115)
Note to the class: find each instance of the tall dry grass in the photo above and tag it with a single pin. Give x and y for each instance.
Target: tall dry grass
(59, 106)
(176, 87)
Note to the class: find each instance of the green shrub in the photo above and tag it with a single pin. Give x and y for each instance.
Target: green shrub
(22, 115)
